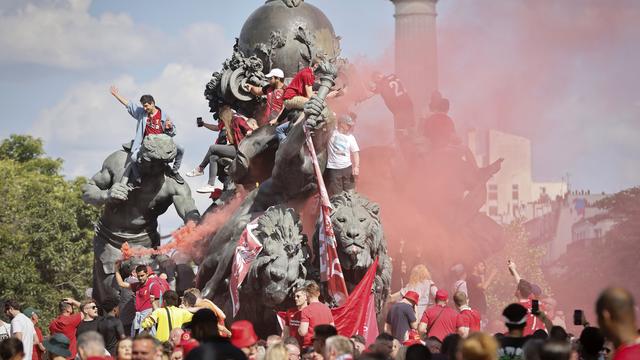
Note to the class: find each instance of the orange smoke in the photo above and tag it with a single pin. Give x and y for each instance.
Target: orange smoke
(188, 239)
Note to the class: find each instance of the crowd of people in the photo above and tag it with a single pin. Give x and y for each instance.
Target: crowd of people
(195, 330)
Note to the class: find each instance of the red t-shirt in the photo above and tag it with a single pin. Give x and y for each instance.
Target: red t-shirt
(297, 86)
(315, 314)
(468, 318)
(37, 353)
(67, 326)
(533, 323)
(275, 101)
(154, 124)
(629, 352)
(143, 294)
(445, 323)
(292, 321)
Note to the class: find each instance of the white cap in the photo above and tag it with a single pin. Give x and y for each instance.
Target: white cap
(275, 72)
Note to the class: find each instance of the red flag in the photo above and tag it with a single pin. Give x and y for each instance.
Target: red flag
(358, 315)
(330, 269)
(246, 252)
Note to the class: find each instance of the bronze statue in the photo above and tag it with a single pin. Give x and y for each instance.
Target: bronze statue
(131, 208)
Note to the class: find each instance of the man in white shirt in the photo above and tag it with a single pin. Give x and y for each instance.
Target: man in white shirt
(341, 150)
(21, 327)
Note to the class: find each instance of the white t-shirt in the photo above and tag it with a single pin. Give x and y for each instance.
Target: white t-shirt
(340, 148)
(22, 324)
(5, 330)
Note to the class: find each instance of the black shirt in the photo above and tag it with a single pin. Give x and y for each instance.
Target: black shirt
(477, 298)
(87, 326)
(112, 331)
(511, 348)
(400, 317)
(219, 349)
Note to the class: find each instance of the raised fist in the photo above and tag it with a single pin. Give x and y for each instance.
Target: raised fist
(118, 192)
(313, 110)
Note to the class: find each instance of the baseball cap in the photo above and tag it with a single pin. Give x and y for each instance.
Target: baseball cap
(30, 311)
(58, 344)
(442, 294)
(412, 296)
(275, 72)
(346, 119)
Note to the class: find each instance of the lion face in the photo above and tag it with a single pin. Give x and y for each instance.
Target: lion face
(357, 228)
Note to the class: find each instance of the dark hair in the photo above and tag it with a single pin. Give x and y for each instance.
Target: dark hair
(324, 331)
(109, 304)
(147, 99)
(540, 334)
(450, 344)
(170, 298)
(418, 352)
(384, 337)
(10, 347)
(11, 303)
(525, 288)
(189, 298)
(62, 306)
(372, 356)
(141, 268)
(618, 302)
(514, 313)
(557, 333)
(204, 325)
(591, 340)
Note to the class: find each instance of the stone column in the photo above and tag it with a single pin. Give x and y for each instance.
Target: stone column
(416, 49)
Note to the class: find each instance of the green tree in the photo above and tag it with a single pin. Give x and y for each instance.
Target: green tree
(45, 228)
(528, 259)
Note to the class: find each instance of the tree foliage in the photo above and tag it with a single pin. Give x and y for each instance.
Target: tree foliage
(45, 228)
(528, 259)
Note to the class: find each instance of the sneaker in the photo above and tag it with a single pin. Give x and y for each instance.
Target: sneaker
(206, 189)
(176, 176)
(195, 172)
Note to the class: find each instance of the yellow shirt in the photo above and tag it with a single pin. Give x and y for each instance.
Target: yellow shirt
(179, 316)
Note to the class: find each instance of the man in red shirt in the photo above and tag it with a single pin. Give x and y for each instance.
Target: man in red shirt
(314, 314)
(468, 319)
(274, 93)
(300, 89)
(66, 323)
(292, 317)
(617, 319)
(146, 293)
(439, 320)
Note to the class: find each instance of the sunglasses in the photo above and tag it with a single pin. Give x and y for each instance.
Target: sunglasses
(92, 307)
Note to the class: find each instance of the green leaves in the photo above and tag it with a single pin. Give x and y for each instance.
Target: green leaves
(45, 228)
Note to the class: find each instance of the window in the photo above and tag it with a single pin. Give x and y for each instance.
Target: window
(493, 211)
(493, 192)
(598, 233)
(514, 192)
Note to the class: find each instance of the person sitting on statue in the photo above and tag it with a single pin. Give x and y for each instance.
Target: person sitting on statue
(342, 149)
(274, 93)
(131, 214)
(438, 127)
(236, 128)
(300, 89)
(396, 99)
(151, 120)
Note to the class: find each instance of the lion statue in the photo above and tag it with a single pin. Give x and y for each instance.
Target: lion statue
(277, 270)
(360, 239)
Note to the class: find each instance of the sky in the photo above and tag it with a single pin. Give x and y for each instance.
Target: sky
(563, 74)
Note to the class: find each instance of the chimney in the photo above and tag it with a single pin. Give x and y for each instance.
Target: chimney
(416, 52)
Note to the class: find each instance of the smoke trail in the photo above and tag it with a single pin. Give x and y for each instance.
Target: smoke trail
(188, 239)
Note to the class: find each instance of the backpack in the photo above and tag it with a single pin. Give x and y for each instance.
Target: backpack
(162, 284)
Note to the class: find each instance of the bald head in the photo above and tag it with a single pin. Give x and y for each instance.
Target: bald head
(618, 303)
